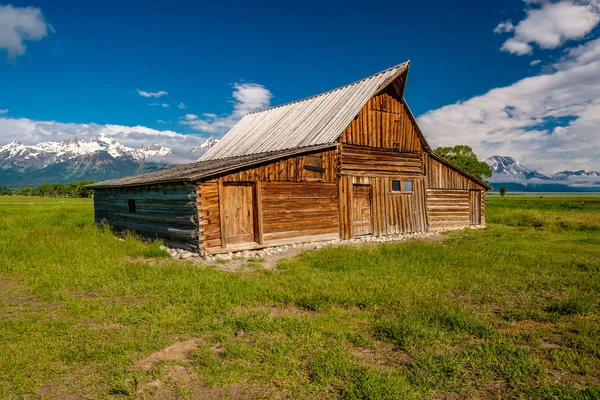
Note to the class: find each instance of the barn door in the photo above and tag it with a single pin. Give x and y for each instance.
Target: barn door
(238, 210)
(475, 206)
(361, 210)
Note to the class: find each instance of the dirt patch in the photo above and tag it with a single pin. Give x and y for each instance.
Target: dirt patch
(175, 352)
(383, 356)
(524, 325)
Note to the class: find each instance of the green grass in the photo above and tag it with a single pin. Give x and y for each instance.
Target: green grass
(511, 311)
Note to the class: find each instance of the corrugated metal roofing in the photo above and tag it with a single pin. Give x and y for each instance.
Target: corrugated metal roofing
(312, 121)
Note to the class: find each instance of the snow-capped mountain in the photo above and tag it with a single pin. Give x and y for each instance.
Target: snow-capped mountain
(17, 155)
(102, 157)
(203, 147)
(504, 165)
(566, 175)
(511, 173)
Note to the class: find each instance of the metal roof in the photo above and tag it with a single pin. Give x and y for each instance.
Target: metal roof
(316, 120)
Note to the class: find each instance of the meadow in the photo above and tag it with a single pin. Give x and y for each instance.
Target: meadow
(510, 311)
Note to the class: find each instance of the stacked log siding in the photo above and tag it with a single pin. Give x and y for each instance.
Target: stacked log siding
(167, 212)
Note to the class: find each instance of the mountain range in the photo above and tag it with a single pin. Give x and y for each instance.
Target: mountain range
(75, 159)
(516, 177)
(103, 157)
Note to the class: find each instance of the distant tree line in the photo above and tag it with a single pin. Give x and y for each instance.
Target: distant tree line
(72, 189)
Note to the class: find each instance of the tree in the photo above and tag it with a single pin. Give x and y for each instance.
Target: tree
(463, 156)
(4, 191)
(503, 191)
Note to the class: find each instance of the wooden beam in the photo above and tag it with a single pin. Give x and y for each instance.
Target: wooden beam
(258, 212)
(222, 228)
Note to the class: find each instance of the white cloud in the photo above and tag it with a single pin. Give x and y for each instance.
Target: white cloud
(32, 132)
(5, 111)
(162, 121)
(156, 95)
(516, 47)
(506, 26)
(550, 121)
(247, 97)
(18, 25)
(163, 105)
(182, 106)
(535, 62)
(550, 24)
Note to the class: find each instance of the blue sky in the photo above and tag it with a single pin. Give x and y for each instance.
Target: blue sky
(92, 62)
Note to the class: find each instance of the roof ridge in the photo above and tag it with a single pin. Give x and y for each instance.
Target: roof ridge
(332, 90)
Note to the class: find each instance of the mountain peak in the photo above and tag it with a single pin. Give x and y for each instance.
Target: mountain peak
(506, 165)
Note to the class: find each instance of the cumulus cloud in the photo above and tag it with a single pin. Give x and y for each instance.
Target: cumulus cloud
(18, 25)
(156, 95)
(5, 111)
(247, 97)
(535, 62)
(162, 121)
(182, 106)
(549, 24)
(506, 26)
(550, 120)
(31, 132)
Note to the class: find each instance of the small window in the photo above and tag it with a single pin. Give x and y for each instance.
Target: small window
(402, 186)
(131, 204)
(314, 167)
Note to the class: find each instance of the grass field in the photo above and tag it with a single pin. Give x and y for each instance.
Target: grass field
(509, 311)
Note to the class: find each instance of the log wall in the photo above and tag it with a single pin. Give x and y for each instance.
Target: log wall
(384, 123)
(167, 212)
(355, 160)
(448, 191)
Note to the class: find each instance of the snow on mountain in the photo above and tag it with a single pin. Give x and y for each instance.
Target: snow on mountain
(508, 171)
(41, 155)
(503, 166)
(203, 147)
(565, 175)
(151, 151)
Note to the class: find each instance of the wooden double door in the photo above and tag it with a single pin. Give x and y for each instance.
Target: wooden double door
(239, 214)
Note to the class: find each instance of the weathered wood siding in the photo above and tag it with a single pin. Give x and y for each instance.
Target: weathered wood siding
(384, 123)
(289, 169)
(355, 160)
(167, 212)
(291, 204)
(448, 196)
(299, 210)
(391, 212)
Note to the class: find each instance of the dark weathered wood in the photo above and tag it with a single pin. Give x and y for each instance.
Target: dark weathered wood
(153, 218)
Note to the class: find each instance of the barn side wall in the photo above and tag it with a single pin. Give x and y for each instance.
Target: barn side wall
(391, 212)
(450, 197)
(167, 212)
(291, 204)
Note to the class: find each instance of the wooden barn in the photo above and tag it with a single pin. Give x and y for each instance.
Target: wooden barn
(341, 164)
